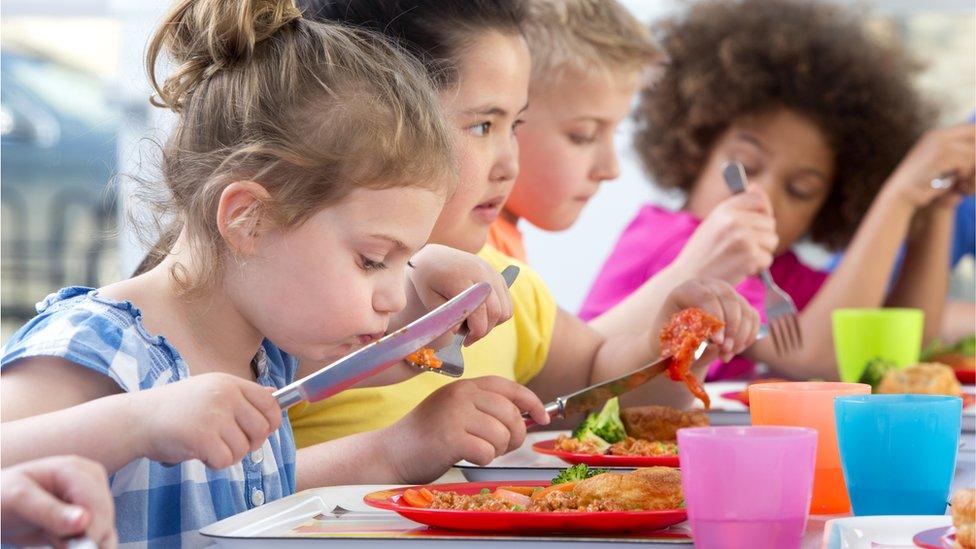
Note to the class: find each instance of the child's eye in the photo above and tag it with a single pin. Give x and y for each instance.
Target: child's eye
(370, 265)
(481, 129)
(516, 124)
(579, 139)
(799, 193)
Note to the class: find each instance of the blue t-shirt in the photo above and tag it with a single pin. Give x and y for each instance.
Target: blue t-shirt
(964, 231)
(155, 505)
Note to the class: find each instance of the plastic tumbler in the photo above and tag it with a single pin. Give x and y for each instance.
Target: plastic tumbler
(898, 451)
(862, 335)
(810, 404)
(747, 487)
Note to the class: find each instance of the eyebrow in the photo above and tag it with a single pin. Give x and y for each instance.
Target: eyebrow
(397, 243)
(488, 110)
(746, 137)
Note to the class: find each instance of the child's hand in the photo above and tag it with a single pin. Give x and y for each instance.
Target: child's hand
(943, 152)
(735, 241)
(53, 499)
(216, 418)
(441, 273)
(474, 419)
(719, 299)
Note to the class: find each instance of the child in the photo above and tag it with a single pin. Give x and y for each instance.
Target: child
(819, 114)
(475, 52)
(588, 59)
(56, 498)
(309, 163)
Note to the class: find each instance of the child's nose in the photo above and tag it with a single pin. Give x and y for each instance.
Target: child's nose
(506, 165)
(390, 297)
(607, 167)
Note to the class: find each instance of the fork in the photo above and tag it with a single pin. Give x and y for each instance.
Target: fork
(781, 312)
(452, 361)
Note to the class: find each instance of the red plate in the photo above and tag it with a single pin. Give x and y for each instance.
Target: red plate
(736, 396)
(575, 522)
(936, 538)
(547, 447)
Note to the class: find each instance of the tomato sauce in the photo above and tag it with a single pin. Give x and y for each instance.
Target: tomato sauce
(682, 335)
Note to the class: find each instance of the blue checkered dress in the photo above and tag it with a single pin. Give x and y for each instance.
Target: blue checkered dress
(158, 506)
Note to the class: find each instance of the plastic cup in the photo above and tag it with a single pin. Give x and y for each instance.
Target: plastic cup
(862, 335)
(809, 404)
(898, 451)
(747, 487)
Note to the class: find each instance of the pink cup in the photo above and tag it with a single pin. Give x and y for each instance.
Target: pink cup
(747, 487)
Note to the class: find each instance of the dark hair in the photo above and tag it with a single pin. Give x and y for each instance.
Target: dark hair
(435, 31)
(730, 59)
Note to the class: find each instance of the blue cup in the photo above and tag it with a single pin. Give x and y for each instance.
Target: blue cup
(898, 452)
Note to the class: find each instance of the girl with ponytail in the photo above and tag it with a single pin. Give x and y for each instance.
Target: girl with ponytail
(309, 164)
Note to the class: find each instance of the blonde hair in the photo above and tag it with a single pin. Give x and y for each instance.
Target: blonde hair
(309, 110)
(585, 37)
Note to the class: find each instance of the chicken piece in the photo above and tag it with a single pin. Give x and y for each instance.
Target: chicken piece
(927, 378)
(964, 517)
(653, 488)
(659, 422)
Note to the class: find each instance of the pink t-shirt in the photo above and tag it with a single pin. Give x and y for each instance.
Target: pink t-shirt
(653, 240)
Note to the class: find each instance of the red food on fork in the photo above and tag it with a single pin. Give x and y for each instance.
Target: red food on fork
(681, 336)
(425, 357)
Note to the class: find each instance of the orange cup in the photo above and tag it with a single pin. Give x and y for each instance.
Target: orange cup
(810, 404)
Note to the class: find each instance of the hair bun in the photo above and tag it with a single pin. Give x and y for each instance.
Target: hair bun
(204, 36)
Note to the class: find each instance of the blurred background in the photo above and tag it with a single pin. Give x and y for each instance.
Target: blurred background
(74, 115)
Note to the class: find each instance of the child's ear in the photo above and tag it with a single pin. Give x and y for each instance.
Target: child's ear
(239, 215)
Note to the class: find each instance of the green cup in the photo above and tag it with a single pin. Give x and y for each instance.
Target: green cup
(861, 335)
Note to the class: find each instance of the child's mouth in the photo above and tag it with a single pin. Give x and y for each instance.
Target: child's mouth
(366, 339)
(488, 210)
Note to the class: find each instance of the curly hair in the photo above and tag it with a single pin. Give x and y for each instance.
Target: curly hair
(729, 59)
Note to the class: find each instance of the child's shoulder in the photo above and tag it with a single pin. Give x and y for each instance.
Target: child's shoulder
(98, 333)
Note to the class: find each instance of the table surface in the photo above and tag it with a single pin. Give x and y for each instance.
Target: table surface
(350, 497)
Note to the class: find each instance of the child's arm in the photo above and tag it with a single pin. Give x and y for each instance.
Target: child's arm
(216, 418)
(579, 356)
(862, 277)
(474, 419)
(736, 240)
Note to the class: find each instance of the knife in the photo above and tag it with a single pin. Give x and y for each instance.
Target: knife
(382, 354)
(595, 396)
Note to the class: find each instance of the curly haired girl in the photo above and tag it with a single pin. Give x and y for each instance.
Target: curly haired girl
(823, 119)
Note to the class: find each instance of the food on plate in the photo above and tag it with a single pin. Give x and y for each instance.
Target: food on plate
(964, 517)
(576, 473)
(425, 357)
(923, 378)
(654, 488)
(659, 422)
(959, 356)
(681, 336)
(875, 371)
(638, 431)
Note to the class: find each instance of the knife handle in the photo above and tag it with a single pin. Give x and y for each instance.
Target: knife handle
(554, 409)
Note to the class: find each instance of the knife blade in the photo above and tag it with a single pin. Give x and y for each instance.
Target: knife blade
(595, 396)
(382, 354)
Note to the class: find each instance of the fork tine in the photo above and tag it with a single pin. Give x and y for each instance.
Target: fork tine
(776, 334)
(799, 332)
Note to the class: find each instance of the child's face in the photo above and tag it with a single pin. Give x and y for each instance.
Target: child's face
(787, 155)
(484, 108)
(329, 285)
(567, 146)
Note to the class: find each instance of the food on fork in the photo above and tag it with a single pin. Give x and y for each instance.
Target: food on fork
(924, 378)
(425, 357)
(654, 488)
(682, 335)
(638, 431)
(964, 517)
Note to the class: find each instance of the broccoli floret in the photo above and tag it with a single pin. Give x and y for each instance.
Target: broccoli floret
(575, 473)
(875, 371)
(606, 424)
(596, 441)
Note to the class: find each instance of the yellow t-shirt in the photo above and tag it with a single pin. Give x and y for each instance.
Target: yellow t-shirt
(515, 350)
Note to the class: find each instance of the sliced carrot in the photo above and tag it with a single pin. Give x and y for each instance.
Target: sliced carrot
(415, 499)
(524, 490)
(514, 498)
(564, 487)
(426, 494)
